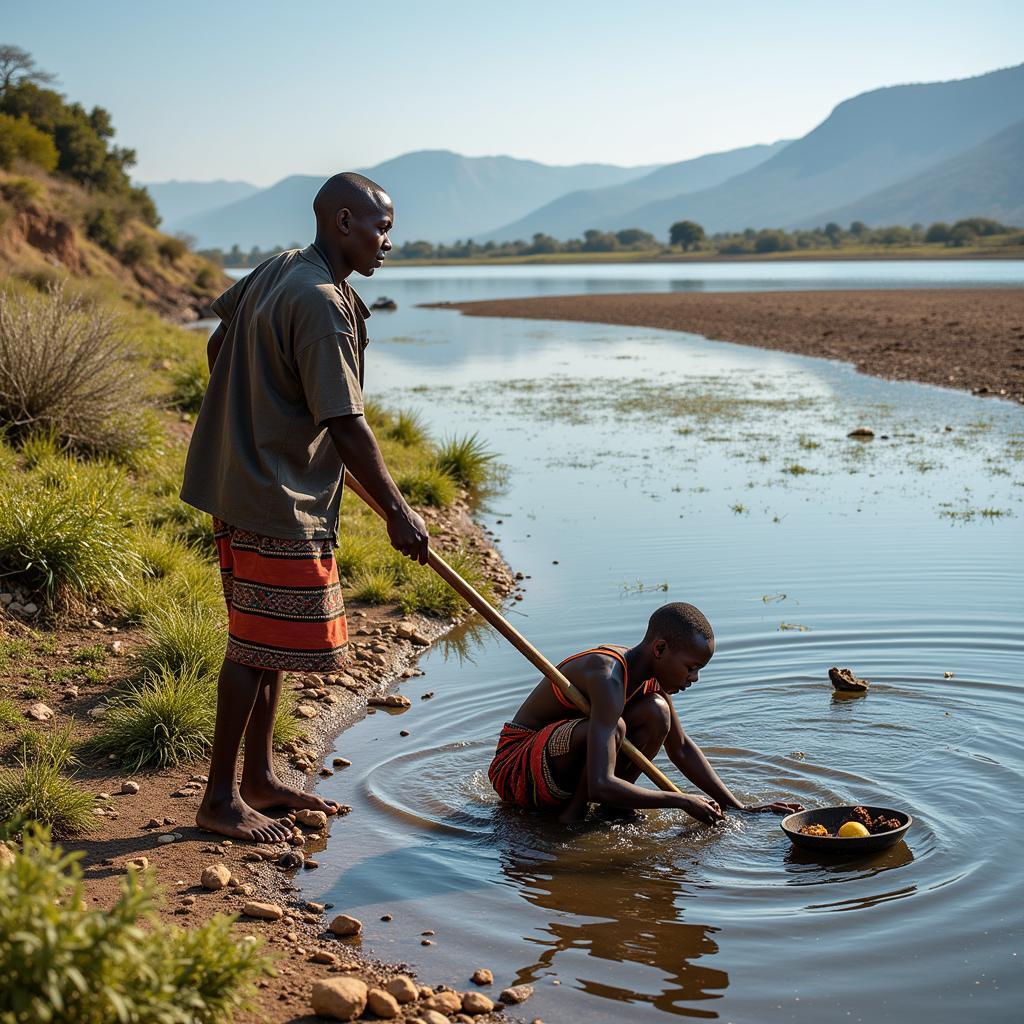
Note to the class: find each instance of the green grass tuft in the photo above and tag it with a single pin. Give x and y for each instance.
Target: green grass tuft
(427, 486)
(180, 639)
(287, 728)
(407, 428)
(37, 790)
(10, 716)
(374, 586)
(162, 722)
(189, 384)
(427, 592)
(467, 460)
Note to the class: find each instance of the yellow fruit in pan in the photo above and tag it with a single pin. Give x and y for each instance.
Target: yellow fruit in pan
(853, 830)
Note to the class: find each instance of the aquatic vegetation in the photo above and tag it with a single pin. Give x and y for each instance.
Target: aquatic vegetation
(807, 443)
(794, 627)
(639, 587)
(63, 960)
(739, 508)
(795, 469)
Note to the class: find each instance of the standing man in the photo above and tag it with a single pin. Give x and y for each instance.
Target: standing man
(281, 422)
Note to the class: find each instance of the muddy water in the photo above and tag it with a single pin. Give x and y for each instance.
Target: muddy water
(645, 466)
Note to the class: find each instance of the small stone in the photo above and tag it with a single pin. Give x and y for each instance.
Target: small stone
(30, 608)
(102, 796)
(152, 823)
(323, 956)
(403, 988)
(390, 700)
(427, 696)
(426, 942)
(386, 917)
(291, 859)
(476, 1002)
(341, 762)
(305, 710)
(425, 991)
(70, 693)
(98, 712)
(215, 877)
(309, 864)
(429, 1016)
(515, 994)
(264, 911)
(339, 998)
(40, 712)
(137, 863)
(168, 837)
(843, 679)
(403, 732)
(420, 640)
(947, 675)
(129, 788)
(311, 818)
(188, 900)
(445, 1002)
(382, 1003)
(313, 908)
(117, 648)
(865, 432)
(482, 976)
(345, 925)
(429, 931)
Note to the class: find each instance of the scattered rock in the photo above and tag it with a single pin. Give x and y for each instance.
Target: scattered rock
(30, 609)
(403, 732)
(70, 693)
(386, 917)
(323, 956)
(426, 942)
(264, 911)
(482, 976)
(420, 640)
(168, 837)
(40, 712)
(314, 908)
(515, 994)
(862, 432)
(153, 823)
(311, 818)
(291, 859)
(138, 863)
(425, 991)
(427, 695)
(947, 675)
(215, 877)
(345, 925)
(445, 1002)
(476, 1002)
(844, 680)
(341, 762)
(305, 710)
(129, 788)
(6, 854)
(382, 1003)
(429, 1016)
(117, 648)
(403, 988)
(390, 700)
(341, 998)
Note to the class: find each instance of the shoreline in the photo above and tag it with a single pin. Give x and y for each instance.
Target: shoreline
(970, 339)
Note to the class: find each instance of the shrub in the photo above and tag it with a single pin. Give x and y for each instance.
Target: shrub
(103, 227)
(171, 249)
(161, 722)
(36, 789)
(66, 366)
(427, 486)
(406, 428)
(182, 638)
(62, 960)
(466, 460)
(427, 592)
(21, 140)
(207, 276)
(190, 382)
(65, 543)
(137, 250)
(374, 586)
(21, 192)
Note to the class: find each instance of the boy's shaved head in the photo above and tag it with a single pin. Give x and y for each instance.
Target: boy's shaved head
(679, 623)
(352, 191)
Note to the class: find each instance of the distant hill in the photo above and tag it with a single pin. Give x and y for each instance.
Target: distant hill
(176, 200)
(985, 181)
(439, 195)
(866, 144)
(570, 215)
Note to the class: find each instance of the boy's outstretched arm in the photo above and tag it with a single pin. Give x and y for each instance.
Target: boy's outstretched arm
(604, 785)
(690, 760)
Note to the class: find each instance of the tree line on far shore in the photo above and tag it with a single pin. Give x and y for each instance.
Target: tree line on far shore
(685, 235)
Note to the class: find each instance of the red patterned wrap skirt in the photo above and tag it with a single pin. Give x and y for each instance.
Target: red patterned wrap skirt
(285, 607)
(521, 769)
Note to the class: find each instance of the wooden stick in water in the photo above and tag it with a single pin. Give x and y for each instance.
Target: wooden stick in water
(520, 643)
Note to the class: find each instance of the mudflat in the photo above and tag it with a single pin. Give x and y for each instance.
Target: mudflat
(967, 338)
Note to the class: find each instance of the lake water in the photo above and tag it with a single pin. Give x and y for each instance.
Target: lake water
(646, 466)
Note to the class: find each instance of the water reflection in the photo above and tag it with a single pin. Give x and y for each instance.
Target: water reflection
(615, 911)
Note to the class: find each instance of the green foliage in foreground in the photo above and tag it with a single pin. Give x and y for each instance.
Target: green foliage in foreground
(427, 486)
(62, 961)
(467, 460)
(36, 789)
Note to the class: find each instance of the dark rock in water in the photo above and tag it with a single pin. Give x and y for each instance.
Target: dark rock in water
(863, 433)
(291, 859)
(844, 680)
(384, 303)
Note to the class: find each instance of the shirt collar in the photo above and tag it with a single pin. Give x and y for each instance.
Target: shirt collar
(310, 255)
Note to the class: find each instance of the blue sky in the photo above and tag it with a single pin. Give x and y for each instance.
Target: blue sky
(261, 89)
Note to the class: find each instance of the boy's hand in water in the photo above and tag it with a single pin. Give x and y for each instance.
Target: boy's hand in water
(776, 807)
(702, 808)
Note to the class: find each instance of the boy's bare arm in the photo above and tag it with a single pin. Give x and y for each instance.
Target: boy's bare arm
(360, 453)
(684, 753)
(604, 785)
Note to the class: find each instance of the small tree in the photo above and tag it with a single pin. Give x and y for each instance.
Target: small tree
(17, 65)
(937, 233)
(686, 233)
(834, 233)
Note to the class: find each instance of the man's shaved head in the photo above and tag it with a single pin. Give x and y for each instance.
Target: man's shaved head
(352, 191)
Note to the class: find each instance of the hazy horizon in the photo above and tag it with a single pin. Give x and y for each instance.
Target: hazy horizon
(257, 91)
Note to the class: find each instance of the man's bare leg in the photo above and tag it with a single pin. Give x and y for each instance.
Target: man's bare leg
(223, 810)
(261, 788)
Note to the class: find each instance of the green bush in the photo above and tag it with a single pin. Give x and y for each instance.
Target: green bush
(207, 276)
(183, 638)
(21, 140)
(66, 366)
(161, 722)
(190, 382)
(466, 460)
(406, 428)
(103, 227)
(64, 543)
(137, 250)
(374, 585)
(63, 961)
(427, 486)
(21, 192)
(37, 789)
(171, 249)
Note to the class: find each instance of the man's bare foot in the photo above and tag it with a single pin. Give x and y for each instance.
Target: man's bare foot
(236, 819)
(274, 793)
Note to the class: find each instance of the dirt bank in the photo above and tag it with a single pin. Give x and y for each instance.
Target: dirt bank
(967, 338)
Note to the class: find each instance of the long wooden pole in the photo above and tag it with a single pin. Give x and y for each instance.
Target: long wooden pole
(520, 643)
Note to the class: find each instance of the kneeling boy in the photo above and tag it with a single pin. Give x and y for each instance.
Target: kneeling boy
(550, 756)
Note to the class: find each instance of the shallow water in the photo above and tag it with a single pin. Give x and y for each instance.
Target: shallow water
(639, 460)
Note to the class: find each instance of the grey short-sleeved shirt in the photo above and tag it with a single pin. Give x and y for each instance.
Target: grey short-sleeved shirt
(292, 357)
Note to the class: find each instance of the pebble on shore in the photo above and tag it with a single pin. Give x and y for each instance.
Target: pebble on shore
(345, 925)
(341, 998)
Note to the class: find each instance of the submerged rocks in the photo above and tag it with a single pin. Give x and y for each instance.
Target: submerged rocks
(311, 818)
(861, 433)
(482, 976)
(339, 998)
(515, 994)
(845, 681)
(390, 700)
